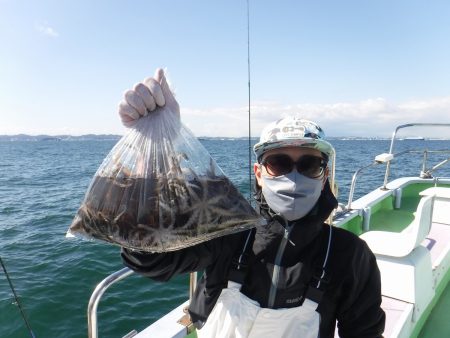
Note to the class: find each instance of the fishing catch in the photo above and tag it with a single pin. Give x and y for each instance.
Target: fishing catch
(159, 190)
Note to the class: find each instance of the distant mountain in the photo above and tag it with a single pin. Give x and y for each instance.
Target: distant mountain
(88, 137)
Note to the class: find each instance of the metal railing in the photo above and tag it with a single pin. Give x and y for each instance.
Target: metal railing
(105, 284)
(425, 173)
(352, 187)
(97, 294)
(394, 134)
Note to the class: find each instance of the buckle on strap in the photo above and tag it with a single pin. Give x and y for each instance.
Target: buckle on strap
(239, 265)
(237, 276)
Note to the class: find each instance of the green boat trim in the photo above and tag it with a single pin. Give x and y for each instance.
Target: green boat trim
(433, 313)
(381, 215)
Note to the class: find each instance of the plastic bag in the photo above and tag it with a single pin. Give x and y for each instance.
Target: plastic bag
(159, 190)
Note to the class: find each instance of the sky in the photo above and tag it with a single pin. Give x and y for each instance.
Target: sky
(358, 68)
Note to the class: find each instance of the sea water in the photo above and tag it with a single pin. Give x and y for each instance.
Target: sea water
(42, 185)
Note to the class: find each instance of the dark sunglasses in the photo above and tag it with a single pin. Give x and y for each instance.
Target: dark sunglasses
(282, 164)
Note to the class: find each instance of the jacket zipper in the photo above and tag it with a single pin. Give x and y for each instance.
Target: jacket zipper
(276, 267)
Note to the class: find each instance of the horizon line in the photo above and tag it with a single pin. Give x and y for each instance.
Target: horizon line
(200, 137)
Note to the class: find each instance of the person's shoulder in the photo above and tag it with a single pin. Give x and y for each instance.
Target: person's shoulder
(347, 242)
(234, 241)
(350, 253)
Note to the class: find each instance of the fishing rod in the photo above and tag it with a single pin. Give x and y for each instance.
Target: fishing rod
(16, 298)
(250, 173)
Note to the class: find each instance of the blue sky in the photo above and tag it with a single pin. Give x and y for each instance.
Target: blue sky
(358, 68)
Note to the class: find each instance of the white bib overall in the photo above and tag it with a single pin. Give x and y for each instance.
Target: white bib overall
(237, 316)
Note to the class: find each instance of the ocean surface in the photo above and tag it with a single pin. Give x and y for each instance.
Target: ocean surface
(41, 187)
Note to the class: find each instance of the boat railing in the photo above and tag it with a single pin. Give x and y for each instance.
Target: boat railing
(105, 284)
(394, 134)
(428, 173)
(97, 295)
(387, 158)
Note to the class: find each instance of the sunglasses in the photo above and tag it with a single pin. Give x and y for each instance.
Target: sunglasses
(308, 165)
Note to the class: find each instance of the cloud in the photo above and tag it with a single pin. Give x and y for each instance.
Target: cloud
(45, 29)
(370, 117)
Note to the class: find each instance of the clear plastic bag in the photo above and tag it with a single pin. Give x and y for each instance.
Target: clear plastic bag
(159, 190)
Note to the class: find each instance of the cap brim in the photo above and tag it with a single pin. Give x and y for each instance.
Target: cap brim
(321, 145)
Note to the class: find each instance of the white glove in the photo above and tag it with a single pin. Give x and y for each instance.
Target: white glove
(145, 97)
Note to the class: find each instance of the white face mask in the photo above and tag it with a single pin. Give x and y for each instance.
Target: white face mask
(292, 195)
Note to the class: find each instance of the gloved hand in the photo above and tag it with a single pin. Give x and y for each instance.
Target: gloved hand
(145, 97)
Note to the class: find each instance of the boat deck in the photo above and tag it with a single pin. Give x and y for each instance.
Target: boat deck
(390, 212)
(438, 243)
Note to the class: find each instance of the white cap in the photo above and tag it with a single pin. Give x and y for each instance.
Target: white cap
(292, 132)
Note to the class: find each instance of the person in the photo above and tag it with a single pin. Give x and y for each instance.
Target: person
(295, 276)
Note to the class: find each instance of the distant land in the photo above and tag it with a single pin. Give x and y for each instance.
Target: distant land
(55, 138)
(113, 137)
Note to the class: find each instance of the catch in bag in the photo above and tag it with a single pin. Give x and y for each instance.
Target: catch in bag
(159, 190)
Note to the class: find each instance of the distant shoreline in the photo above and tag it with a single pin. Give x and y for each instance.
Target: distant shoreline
(87, 137)
(114, 137)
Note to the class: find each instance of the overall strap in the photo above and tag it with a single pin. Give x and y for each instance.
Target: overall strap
(239, 265)
(315, 293)
(325, 261)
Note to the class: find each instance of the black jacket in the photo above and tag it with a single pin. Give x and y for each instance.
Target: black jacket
(351, 286)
